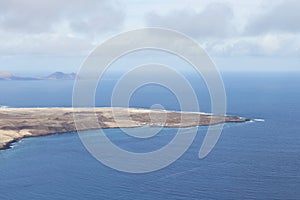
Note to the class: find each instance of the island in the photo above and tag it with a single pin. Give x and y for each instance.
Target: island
(8, 76)
(18, 123)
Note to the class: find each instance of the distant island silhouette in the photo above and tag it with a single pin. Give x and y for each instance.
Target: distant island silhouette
(7, 76)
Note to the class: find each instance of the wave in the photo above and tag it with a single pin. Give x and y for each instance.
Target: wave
(4, 106)
(258, 120)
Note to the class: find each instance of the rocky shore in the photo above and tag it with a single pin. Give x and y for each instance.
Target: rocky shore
(18, 123)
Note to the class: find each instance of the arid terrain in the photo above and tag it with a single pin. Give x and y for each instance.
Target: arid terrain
(17, 123)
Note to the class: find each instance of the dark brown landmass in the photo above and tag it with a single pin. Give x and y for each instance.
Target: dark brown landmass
(18, 123)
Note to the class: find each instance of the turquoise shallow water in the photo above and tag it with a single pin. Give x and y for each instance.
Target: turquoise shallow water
(252, 160)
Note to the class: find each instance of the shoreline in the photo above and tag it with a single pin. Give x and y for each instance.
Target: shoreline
(19, 123)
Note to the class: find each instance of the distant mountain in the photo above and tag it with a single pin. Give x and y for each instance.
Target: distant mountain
(61, 76)
(6, 76)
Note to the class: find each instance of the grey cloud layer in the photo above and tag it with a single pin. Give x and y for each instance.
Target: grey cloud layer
(214, 21)
(273, 31)
(36, 16)
(56, 26)
(284, 17)
(63, 26)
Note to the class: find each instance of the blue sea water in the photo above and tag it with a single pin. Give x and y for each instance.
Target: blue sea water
(259, 160)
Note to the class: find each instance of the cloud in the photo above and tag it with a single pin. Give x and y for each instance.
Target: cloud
(281, 18)
(214, 21)
(49, 44)
(96, 24)
(255, 28)
(268, 28)
(35, 16)
(56, 26)
(263, 45)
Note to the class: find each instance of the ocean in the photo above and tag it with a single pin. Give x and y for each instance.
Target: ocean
(254, 160)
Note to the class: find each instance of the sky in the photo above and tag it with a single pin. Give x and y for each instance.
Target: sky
(39, 37)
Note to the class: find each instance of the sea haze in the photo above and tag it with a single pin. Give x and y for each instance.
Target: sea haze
(251, 160)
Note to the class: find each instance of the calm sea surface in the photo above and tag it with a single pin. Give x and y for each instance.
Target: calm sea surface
(259, 160)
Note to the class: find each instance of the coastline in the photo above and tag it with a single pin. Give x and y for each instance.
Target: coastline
(18, 123)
